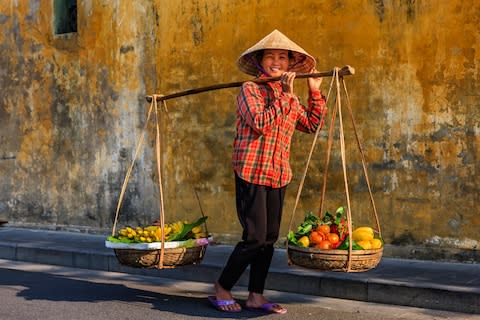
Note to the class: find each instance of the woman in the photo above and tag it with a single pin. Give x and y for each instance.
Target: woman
(267, 116)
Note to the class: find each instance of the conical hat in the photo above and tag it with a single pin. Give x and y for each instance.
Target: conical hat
(303, 62)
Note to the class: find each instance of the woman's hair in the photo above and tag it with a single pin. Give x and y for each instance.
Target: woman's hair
(259, 55)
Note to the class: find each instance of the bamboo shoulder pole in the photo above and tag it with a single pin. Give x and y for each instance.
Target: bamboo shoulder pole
(345, 71)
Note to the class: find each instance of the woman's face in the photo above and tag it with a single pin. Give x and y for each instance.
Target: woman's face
(275, 61)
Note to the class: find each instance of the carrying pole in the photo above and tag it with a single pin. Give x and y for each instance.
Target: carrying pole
(345, 71)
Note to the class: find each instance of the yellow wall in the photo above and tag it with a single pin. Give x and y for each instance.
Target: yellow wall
(73, 107)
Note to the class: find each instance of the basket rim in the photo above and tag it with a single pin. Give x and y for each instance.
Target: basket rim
(334, 251)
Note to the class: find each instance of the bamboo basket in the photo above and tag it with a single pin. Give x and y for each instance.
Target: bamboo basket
(150, 259)
(336, 260)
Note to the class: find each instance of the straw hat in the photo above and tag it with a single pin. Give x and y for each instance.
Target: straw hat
(303, 62)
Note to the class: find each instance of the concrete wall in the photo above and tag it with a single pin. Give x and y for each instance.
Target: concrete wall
(73, 106)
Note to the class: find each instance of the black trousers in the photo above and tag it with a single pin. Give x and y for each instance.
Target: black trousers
(259, 209)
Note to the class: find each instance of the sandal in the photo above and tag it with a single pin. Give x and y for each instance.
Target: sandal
(221, 304)
(270, 308)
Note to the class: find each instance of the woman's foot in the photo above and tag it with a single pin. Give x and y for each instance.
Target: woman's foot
(257, 301)
(224, 300)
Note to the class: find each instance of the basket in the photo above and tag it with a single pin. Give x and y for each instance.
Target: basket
(334, 260)
(172, 257)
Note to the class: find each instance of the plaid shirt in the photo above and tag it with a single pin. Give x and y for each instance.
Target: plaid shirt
(266, 120)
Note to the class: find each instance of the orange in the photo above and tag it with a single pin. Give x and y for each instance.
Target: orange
(324, 244)
(315, 237)
(333, 238)
(324, 228)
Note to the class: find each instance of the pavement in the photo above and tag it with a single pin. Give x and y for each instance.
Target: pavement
(415, 283)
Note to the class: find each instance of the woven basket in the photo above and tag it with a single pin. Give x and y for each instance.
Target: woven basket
(334, 260)
(172, 257)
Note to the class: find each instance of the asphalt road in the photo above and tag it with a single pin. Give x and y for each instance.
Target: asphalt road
(33, 291)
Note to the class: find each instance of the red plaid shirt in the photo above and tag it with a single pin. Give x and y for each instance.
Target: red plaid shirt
(266, 120)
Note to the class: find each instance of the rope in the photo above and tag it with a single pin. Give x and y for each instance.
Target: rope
(302, 180)
(159, 174)
(129, 171)
(362, 155)
(153, 106)
(344, 167)
(337, 109)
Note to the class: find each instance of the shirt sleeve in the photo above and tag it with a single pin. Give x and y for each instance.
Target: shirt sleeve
(312, 116)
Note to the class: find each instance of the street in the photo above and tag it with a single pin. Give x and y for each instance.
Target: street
(34, 291)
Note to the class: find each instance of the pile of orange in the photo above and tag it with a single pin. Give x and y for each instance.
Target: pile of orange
(322, 238)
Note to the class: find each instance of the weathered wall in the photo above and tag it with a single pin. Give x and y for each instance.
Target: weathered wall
(72, 108)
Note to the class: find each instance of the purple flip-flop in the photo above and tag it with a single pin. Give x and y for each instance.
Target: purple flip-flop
(270, 308)
(218, 304)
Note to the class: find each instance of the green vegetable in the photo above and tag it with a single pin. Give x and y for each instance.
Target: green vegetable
(190, 243)
(334, 218)
(291, 238)
(345, 245)
(309, 223)
(120, 239)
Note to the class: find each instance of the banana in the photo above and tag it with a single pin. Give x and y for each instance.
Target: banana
(200, 235)
(158, 233)
(177, 227)
(197, 229)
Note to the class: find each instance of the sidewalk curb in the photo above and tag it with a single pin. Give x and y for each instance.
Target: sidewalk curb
(394, 281)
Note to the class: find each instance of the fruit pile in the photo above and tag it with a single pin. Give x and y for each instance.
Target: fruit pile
(176, 231)
(331, 232)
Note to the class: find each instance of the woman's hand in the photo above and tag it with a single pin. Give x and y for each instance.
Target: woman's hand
(314, 83)
(287, 81)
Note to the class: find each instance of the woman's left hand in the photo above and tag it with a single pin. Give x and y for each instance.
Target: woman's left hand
(314, 83)
(287, 81)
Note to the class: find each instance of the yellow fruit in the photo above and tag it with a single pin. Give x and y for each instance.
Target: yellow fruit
(151, 228)
(200, 235)
(365, 244)
(362, 233)
(304, 241)
(158, 233)
(177, 227)
(368, 229)
(376, 243)
(197, 229)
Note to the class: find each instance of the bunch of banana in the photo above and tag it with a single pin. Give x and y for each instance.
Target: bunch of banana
(177, 226)
(198, 232)
(176, 231)
(146, 234)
